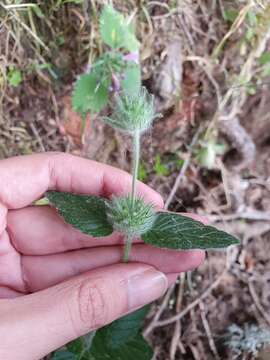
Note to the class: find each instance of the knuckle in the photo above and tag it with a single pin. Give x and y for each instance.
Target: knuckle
(91, 304)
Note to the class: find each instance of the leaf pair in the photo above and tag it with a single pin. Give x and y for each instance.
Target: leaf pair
(91, 93)
(169, 230)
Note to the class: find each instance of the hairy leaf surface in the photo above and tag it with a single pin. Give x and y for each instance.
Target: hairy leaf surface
(121, 340)
(90, 94)
(85, 213)
(131, 82)
(115, 30)
(173, 231)
(64, 355)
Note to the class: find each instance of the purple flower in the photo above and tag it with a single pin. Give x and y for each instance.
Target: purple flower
(133, 56)
(115, 83)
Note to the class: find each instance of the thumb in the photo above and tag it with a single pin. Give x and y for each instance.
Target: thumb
(44, 321)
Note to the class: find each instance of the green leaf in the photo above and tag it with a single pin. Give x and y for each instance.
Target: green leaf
(76, 346)
(90, 94)
(266, 70)
(81, 346)
(142, 172)
(14, 77)
(230, 15)
(264, 58)
(131, 82)
(41, 202)
(38, 12)
(159, 168)
(136, 348)
(125, 328)
(173, 231)
(115, 31)
(85, 213)
(207, 155)
(121, 340)
(63, 355)
(73, 1)
(251, 18)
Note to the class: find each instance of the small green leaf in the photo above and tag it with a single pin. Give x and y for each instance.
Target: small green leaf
(130, 41)
(63, 355)
(14, 77)
(207, 155)
(121, 340)
(266, 70)
(173, 231)
(142, 172)
(249, 34)
(73, 2)
(131, 82)
(264, 58)
(230, 15)
(159, 168)
(85, 213)
(38, 12)
(251, 18)
(41, 202)
(90, 94)
(115, 31)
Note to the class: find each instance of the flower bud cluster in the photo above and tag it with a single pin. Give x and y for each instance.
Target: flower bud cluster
(131, 218)
(132, 113)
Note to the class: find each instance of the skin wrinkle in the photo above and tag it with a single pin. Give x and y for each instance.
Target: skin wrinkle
(103, 189)
(91, 304)
(25, 277)
(3, 217)
(22, 274)
(7, 292)
(52, 174)
(22, 286)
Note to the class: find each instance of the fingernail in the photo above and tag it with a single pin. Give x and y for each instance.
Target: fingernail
(146, 287)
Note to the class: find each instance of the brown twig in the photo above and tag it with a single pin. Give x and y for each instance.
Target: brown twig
(208, 331)
(248, 214)
(39, 140)
(176, 341)
(163, 305)
(183, 170)
(257, 303)
(194, 303)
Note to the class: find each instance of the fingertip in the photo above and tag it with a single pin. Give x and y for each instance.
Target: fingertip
(196, 258)
(172, 278)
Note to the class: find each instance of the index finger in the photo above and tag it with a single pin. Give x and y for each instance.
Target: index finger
(24, 179)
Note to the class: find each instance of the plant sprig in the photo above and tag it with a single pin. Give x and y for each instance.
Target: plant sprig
(116, 69)
(133, 112)
(130, 215)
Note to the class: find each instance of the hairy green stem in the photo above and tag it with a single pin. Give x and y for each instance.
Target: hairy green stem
(135, 169)
(135, 165)
(128, 241)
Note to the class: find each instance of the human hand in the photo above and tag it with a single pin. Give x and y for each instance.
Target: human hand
(56, 283)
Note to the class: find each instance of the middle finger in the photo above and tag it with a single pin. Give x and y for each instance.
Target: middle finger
(41, 272)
